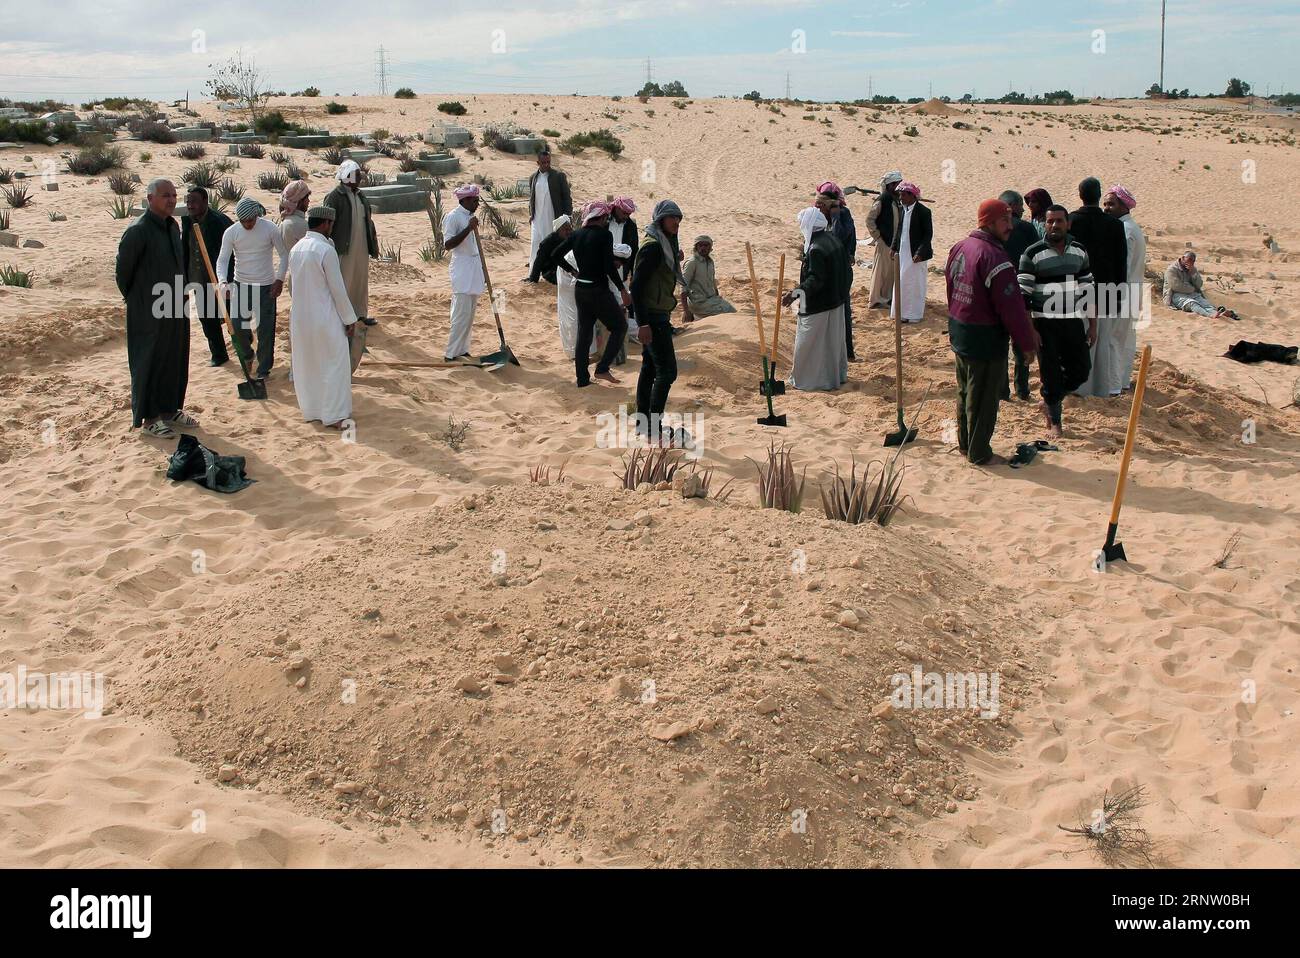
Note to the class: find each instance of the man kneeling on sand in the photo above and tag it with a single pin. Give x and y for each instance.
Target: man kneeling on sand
(1185, 289)
(702, 297)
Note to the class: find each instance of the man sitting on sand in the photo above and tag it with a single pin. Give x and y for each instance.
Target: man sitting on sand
(702, 297)
(985, 308)
(321, 321)
(1055, 277)
(1184, 289)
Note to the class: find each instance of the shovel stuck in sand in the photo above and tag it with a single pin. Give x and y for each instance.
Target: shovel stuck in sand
(504, 355)
(250, 388)
(769, 385)
(902, 435)
(1112, 550)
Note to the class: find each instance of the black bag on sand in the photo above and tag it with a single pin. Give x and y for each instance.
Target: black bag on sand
(1244, 352)
(193, 460)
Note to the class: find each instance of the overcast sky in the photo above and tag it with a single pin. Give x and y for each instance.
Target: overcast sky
(78, 49)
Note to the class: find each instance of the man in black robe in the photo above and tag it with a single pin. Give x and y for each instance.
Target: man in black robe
(151, 278)
(212, 224)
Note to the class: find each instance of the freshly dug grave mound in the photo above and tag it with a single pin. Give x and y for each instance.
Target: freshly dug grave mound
(603, 675)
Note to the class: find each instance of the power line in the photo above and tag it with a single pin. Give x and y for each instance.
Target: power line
(649, 72)
(381, 70)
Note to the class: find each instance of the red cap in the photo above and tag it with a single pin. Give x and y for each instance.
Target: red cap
(992, 210)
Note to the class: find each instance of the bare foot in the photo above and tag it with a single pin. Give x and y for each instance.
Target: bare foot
(993, 460)
(1047, 413)
(608, 378)
(1054, 430)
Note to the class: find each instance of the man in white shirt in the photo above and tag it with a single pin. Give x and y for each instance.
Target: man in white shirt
(548, 199)
(321, 321)
(465, 268)
(258, 280)
(1119, 202)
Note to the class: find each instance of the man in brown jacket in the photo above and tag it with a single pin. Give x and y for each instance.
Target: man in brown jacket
(548, 200)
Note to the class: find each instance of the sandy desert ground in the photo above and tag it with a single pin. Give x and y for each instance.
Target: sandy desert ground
(369, 565)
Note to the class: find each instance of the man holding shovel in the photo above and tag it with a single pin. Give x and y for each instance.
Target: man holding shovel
(985, 307)
(465, 269)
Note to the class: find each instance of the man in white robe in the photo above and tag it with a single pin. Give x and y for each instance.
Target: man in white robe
(548, 198)
(465, 269)
(321, 322)
(1119, 203)
(912, 247)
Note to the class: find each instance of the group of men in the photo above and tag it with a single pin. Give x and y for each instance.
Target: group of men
(1070, 294)
(322, 251)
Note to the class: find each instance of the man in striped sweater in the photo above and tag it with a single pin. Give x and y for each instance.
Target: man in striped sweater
(1056, 279)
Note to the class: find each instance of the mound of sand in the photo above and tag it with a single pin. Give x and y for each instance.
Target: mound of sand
(640, 676)
(932, 107)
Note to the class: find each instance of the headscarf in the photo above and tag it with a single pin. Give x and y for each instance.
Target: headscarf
(1039, 196)
(321, 213)
(292, 195)
(831, 188)
(348, 171)
(249, 209)
(1123, 195)
(625, 204)
(622, 251)
(667, 243)
(908, 187)
(561, 220)
(811, 220)
(893, 176)
(594, 211)
(703, 239)
(991, 211)
(466, 190)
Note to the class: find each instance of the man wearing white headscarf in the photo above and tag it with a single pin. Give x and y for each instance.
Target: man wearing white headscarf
(880, 224)
(321, 321)
(1119, 202)
(354, 238)
(820, 351)
(465, 269)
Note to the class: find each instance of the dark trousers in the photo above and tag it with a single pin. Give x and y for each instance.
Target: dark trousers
(658, 369)
(979, 385)
(1021, 376)
(253, 307)
(205, 302)
(848, 317)
(1064, 359)
(595, 303)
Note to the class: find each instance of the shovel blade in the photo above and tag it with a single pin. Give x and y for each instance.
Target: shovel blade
(771, 387)
(772, 420)
(252, 389)
(498, 360)
(1114, 552)
(900, 438)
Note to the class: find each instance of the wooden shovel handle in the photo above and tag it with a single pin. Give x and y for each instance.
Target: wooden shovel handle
(780, 285)
(758, 308)
(1134, 413)
(221, 300)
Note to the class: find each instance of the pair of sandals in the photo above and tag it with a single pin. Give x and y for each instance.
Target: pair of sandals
(162, 428)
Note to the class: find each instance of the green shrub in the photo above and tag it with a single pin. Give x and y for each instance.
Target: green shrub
(155, 132)
(454, 108)
(229, 191)
(95, 159)
(279, 157)
(13, 276)
(122, 184)
(6, 175)
(310, 91)
(405, 93)
(273, 180)
(191, 151)
(332, 155)
(554, 134)
(17, 196)
(334, 109)
(202, 175)
(253, 151)
(120, 208)
(601, 139)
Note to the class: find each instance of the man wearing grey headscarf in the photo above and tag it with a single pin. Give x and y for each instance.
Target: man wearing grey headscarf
(258, 280)
(657, 282)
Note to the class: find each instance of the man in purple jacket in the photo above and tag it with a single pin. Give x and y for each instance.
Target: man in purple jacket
(986, 309)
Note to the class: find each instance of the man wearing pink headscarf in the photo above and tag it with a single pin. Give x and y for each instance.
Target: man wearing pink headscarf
(912, 249)
(294, 203)
(624, 232)
(1119, 202)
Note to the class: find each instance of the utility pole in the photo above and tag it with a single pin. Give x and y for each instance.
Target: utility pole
(1162, 46)
(381, 70)
(787, 84)
(649, 72)
(869, 88)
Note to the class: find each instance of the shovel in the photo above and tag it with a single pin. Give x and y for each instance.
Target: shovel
(250, 388)
(774, 386)
(1112, 550)
(504, 355)
(765, 387)
(903, 434)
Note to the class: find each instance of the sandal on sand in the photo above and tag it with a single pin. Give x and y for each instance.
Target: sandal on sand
(182, 418)
(158, 429)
